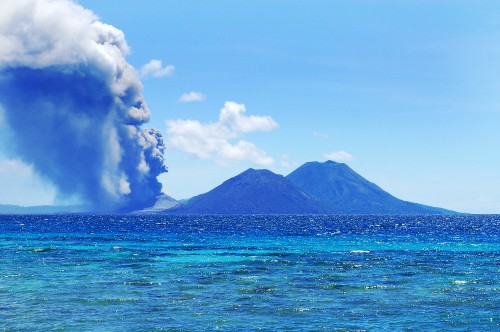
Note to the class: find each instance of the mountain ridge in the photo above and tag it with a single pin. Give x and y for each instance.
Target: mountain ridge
(313, 188)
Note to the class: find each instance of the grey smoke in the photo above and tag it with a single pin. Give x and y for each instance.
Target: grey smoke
(75, 106)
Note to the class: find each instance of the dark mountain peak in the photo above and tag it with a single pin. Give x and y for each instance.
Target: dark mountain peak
(252, 192)
(342, 190)
(331, 163)
(327, 174)
(257, 176)
(257, 173)
(327, 165)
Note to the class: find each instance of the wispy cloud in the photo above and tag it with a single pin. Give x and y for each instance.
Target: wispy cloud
(321, 134)
(285, 161)
(155, 68)
(193, 96)
(339, 156)
(221, 141)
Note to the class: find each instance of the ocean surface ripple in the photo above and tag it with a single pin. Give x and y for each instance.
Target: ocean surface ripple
(247, 273)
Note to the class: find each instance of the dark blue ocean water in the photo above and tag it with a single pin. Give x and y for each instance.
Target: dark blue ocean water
(245, 273)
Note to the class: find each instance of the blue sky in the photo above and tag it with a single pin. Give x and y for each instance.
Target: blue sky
(404, 92)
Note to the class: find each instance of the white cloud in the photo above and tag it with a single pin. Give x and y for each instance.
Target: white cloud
(321, 134)
(192, 96)
(220, 141)
(339, 156)
(231, 116)
(155, 68)
(9, 166)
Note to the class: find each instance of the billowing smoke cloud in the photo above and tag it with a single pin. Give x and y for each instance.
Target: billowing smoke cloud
(75, 106)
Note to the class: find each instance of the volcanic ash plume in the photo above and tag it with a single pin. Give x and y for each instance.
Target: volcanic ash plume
(75, 106)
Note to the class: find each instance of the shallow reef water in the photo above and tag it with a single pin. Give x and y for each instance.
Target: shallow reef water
(247, 273)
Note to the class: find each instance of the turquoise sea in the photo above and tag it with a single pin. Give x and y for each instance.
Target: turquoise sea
(248, 273)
